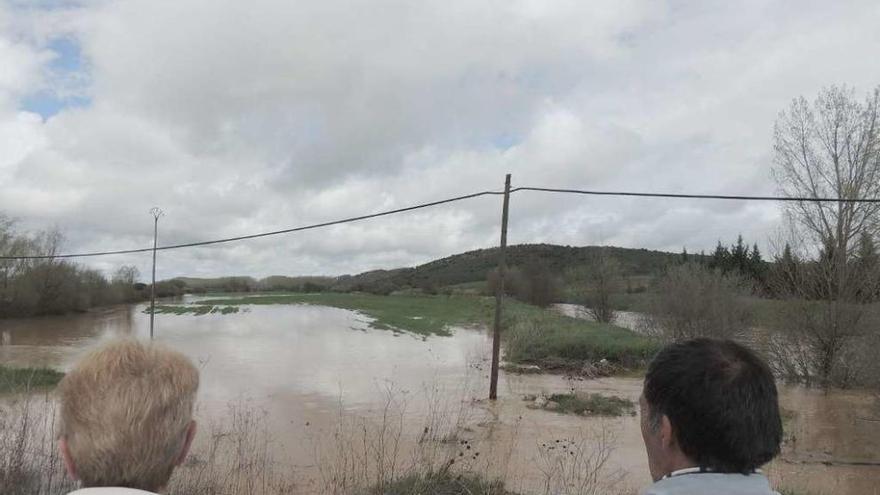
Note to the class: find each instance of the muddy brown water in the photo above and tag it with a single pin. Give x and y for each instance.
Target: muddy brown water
(306, 365)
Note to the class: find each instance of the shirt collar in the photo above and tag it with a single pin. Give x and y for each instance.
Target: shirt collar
(109, 490)
(697, 470)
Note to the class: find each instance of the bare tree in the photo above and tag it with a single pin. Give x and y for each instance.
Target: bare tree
(831, 149)
(596, 283)
(126, 274)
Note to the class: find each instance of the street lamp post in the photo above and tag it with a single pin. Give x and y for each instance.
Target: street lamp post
(156, 212)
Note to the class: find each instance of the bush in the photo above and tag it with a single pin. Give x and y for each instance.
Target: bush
(533, 285)
(694, 301)
(826, 343)
(596, 285)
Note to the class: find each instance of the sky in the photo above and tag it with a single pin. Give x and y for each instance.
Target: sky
(241, 117)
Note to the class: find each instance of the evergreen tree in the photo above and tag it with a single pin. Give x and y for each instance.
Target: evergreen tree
(739, 254)
(868, 263)
(720, 258)
(756, 264)
(867, 250)
(826, 254)
(684, 255)
(787, 272)
(787, 257)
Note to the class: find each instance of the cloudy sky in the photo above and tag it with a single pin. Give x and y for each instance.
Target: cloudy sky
(239, 117)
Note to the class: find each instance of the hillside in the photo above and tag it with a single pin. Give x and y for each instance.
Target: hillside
(474, 266)
(469, 267)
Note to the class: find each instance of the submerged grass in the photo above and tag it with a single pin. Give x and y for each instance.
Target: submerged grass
(593, 404)
(193, 309)
(22, 379)
(532, 335)
(423, 315)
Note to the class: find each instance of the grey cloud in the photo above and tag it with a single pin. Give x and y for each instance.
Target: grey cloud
(240, 117)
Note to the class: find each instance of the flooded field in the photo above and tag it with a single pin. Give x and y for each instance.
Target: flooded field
(304, 366)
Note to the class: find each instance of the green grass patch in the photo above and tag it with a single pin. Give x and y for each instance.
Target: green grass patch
(23, 379)
(557, 342)
(592, 404)
(193, 309)
(423, 315)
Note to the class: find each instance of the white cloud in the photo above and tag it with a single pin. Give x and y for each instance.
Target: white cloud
(238, 117)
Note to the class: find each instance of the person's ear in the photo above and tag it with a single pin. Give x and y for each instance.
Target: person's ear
(187, 443)
(69, 466)
(667, 437)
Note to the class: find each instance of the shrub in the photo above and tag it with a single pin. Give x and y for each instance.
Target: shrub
(694, 301)
(534, 285)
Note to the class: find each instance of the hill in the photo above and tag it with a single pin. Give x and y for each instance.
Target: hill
(474, 266)
(463, 268)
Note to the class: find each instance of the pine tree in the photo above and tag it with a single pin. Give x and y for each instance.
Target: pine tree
(684, 255)
(756, 264)
(739, 254)
(787, 271)
(868, 263)
(720, 258)
(867, 249)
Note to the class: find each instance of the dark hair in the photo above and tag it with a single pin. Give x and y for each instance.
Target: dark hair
(721, 400)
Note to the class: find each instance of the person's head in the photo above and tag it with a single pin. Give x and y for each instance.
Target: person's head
(709, 403)
(126, 415)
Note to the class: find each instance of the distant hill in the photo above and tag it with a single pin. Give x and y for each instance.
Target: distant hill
(472, 266)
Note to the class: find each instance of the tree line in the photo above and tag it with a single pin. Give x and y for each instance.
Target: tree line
(51, 286)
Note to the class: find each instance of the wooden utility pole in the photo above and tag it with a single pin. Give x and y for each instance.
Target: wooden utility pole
(499, 294)
(156, 212)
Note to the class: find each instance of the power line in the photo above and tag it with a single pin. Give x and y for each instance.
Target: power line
(451, 200)
(698, 196)
(262, 234)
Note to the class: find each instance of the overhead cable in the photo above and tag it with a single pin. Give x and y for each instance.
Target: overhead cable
(451, 200)
(699, 196)
(262, 234)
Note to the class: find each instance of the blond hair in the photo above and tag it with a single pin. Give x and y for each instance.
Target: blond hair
(125, 410)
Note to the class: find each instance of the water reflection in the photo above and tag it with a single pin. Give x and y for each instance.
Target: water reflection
(296, 362)
(56, 341)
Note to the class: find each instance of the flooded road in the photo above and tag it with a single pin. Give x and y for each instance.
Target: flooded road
(306, 365)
